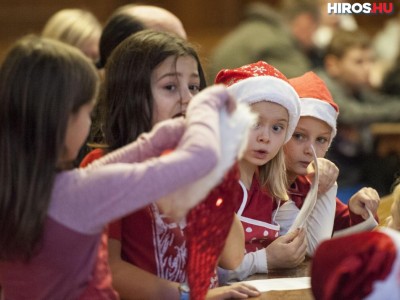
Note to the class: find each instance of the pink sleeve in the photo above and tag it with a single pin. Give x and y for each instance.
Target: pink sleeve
(87, 199)
(164, 135)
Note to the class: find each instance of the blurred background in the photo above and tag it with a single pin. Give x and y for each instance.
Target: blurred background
(205, 21)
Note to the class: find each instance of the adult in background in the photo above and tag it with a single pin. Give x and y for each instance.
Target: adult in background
(283, 39)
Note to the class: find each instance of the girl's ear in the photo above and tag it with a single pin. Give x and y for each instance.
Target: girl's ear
(332, 65)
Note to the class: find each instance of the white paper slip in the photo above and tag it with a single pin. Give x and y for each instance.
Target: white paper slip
(281, 284)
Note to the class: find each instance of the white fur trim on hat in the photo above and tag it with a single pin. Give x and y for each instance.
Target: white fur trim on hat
(311, 107)
(234, 129)
(268, 88)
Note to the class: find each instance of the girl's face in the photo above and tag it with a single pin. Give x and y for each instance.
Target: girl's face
(77, 131)
(173, 83)
(298, 153)
(268, 134)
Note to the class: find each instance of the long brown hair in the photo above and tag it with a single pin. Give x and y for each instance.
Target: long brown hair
(126, 101)
(42, 82)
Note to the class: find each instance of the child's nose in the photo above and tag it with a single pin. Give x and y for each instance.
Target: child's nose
(264, 136)
(186, 96)
(308, 147)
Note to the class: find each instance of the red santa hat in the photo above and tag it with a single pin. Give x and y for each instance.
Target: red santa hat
(315, 99)
(360, 266)
(262, 82)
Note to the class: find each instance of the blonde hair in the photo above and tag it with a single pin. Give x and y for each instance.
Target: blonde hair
(273, 176)
(396, 196)
(73, 26)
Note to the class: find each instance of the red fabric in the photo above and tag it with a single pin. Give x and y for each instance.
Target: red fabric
(100, 286)
(260, 68)
(154, 243)
(161, 248)
(91, 157)
(310, 85)
(208, 225)
(115, 229)
(258, 210)
(343, 217)
(346, 268)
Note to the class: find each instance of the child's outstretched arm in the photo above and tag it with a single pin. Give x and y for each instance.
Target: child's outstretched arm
(87, 199)
(164, 135)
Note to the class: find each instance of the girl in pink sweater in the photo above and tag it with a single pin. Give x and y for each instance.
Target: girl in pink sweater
(52, 216)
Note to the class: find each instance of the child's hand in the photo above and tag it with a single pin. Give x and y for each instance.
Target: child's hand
(234, 291)
(366, 197)
(328, 173)
(287, 251)
(167, 134)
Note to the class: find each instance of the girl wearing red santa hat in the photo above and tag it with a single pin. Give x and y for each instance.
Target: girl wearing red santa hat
(262, 172)
(314, 132)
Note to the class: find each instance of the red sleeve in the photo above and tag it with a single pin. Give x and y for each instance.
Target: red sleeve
(114, 230)
(344, 218)
(91, 157)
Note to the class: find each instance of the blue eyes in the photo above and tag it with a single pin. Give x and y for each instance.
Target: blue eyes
(298, 136)
(301, 137)
(275, 128)
(322, 140)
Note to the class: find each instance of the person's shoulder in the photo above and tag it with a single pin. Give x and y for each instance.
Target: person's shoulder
(91, 157)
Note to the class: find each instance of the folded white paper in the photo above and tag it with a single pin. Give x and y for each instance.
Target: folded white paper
(367, 225)
(280, 284)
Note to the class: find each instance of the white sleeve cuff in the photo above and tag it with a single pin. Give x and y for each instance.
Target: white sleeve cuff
(253, 262)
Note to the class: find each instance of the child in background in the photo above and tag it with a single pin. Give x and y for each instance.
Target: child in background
(347, 71)
(76, 27)
(262, 171)
(52, 216)
(164, 74)
(317, 128)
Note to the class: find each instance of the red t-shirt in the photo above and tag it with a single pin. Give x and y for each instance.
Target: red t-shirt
(150, 240)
